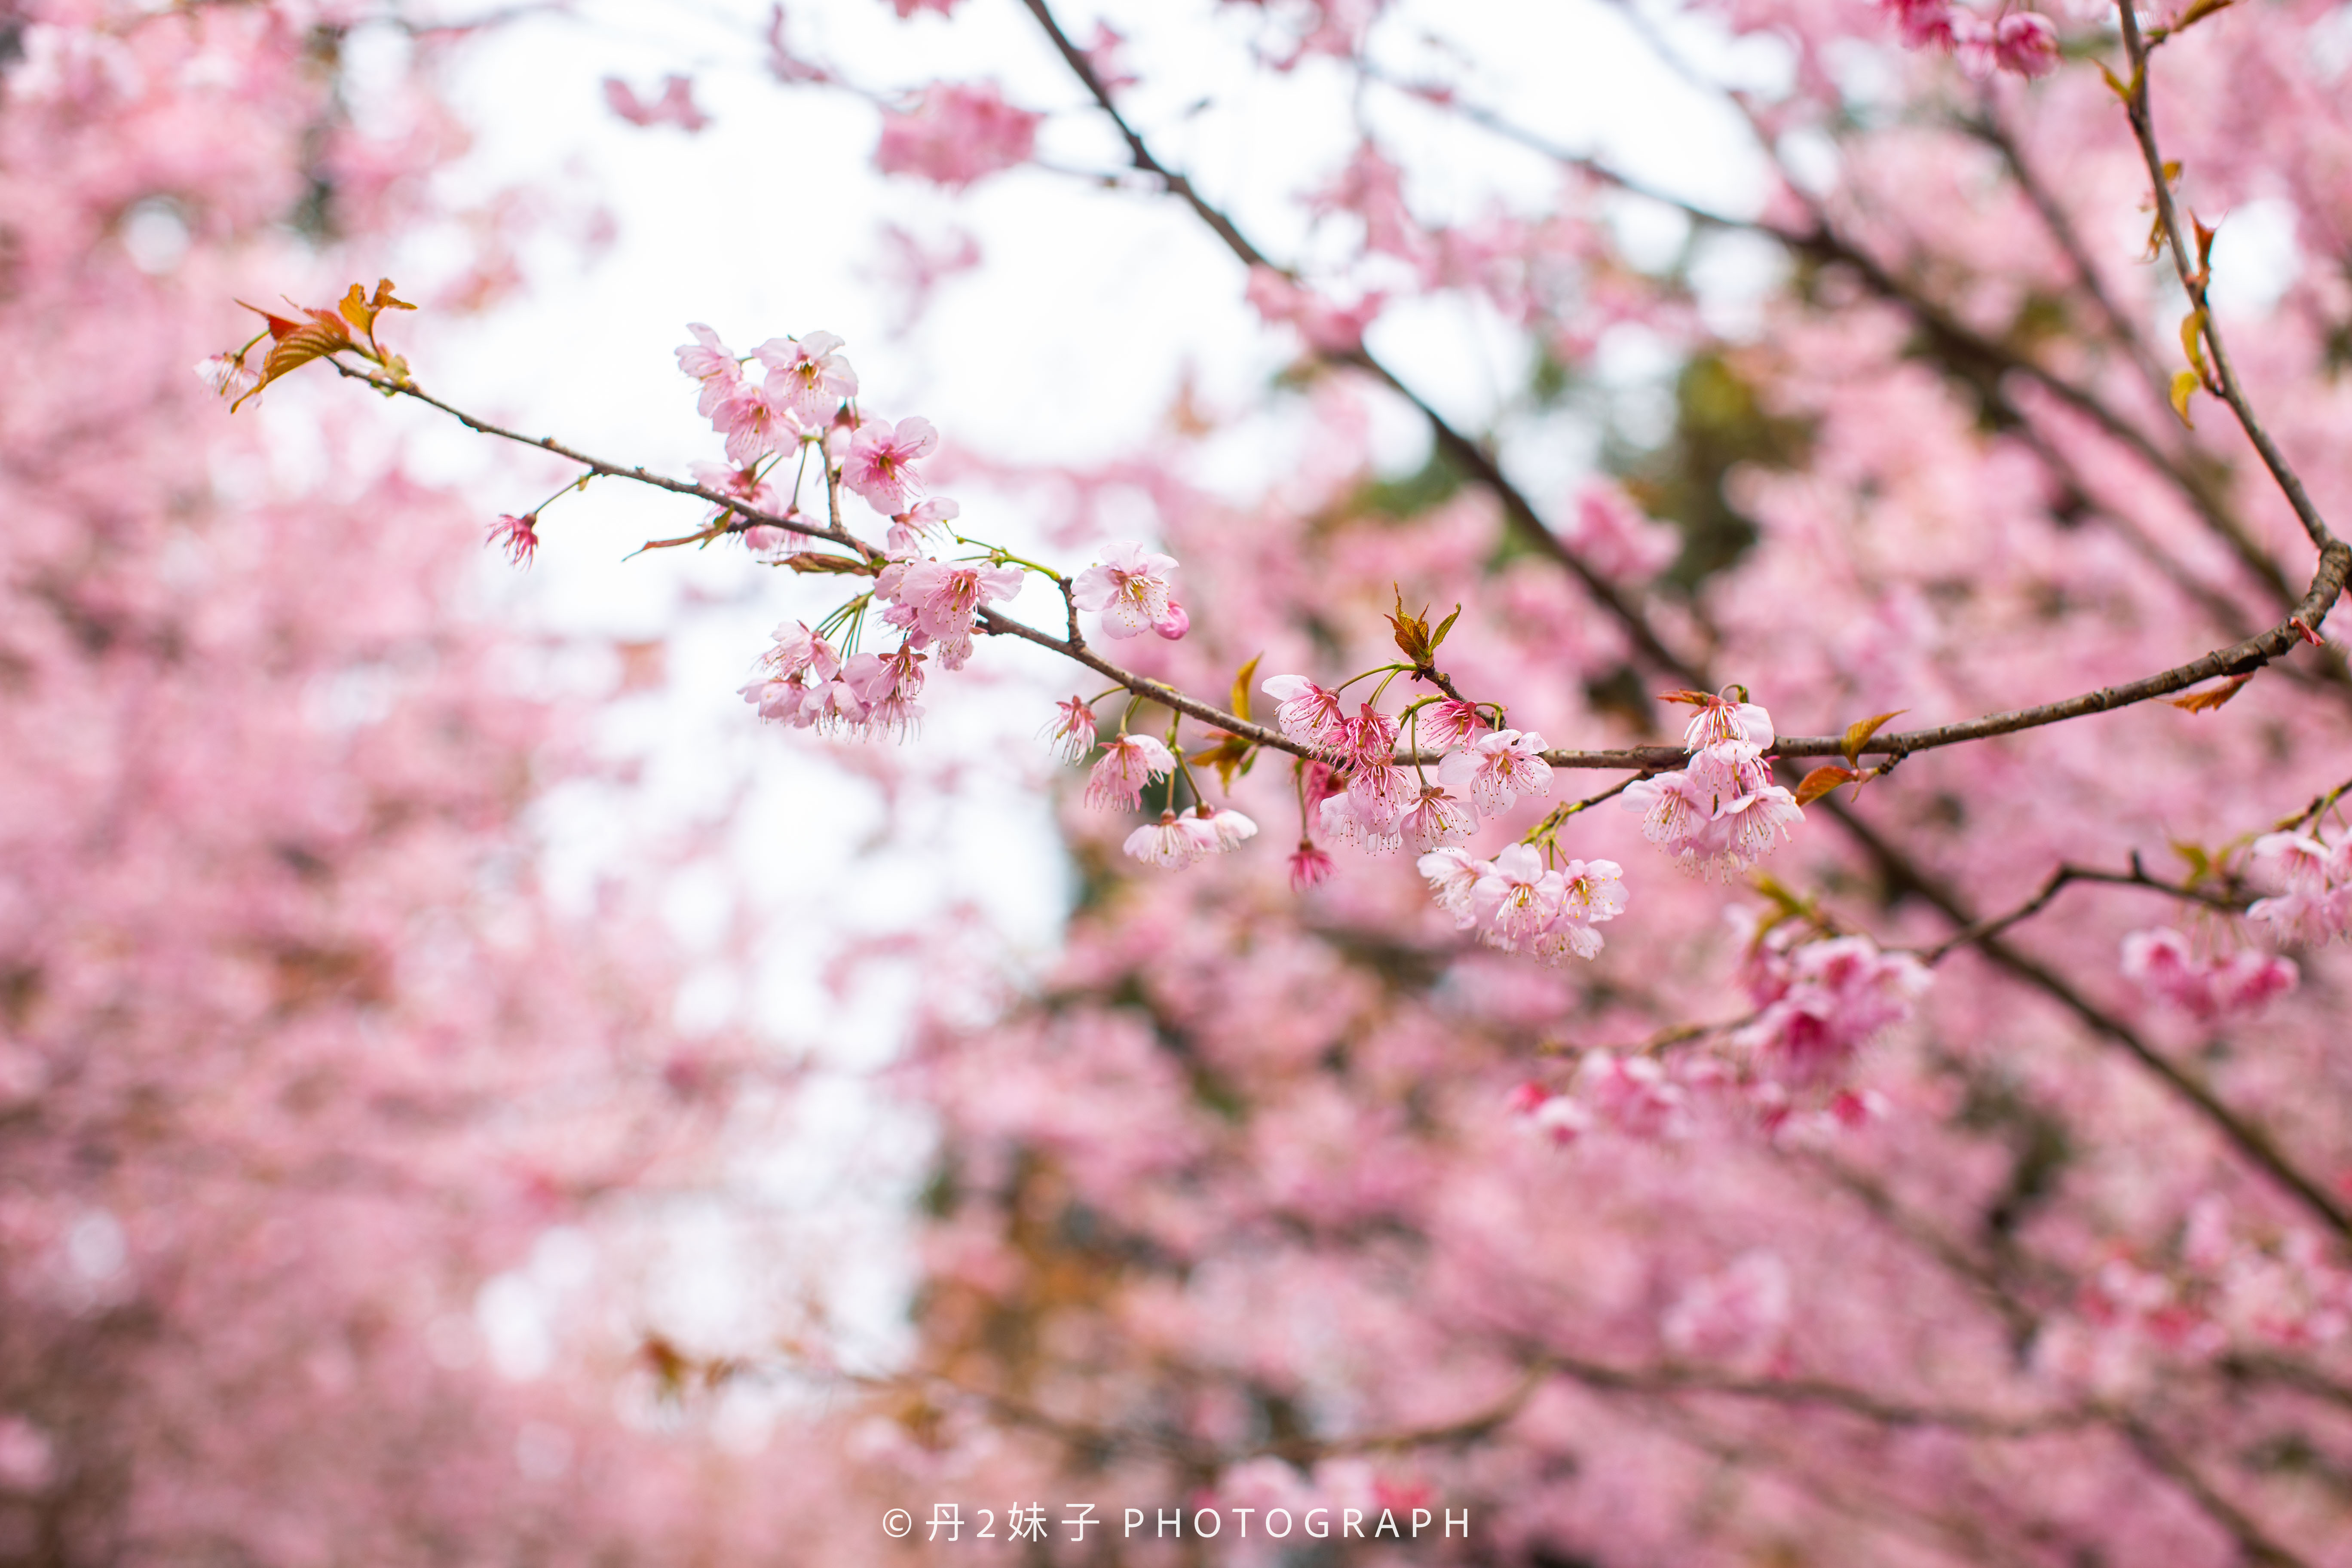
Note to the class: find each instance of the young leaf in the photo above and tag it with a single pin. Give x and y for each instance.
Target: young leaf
(2213, 697)
(1437, 638)
(296, 347)
(1412, 632)
(1820, 781)
(1858, 734)
(2183, 384)
(1241, 696)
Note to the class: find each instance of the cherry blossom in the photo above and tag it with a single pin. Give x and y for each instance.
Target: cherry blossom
(1499, 768)
(1073, 730)
(518, 536)
(1435, 817)
(881, 458)
(1127, 765)
(945, 598)
(1129, 588)
(712, 363)
(1822, 1001)
(1308, 714)
(2315, 905)
(755, 423)
(807, 376)
(2165, 961)
(1310, 866)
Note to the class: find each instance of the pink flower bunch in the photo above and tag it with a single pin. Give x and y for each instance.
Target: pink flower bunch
(1131, 591)
(807, 684)
(939, 602)
(2022, 42)
(958, 132)
(1722, 813)
(1822, 1001)
(1519, 904)
(2207, 988)
(806, 380)
(1611, 534)
(1176, 841)
(2315, 903)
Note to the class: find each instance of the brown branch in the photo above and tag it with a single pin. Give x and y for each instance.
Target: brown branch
(2065, 877)
(2193, 280)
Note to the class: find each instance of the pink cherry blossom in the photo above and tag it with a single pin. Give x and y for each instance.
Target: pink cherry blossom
(1498, 768)
(2315, 905)
(1450, 723)
(1130, 587)
(712, 363)
(880, 462)
(807, 376)
(1127, 765)
(1310, 866)
(946, 598)
(1366, 741)
(1165, 843)
(1823, 1001)
(2207, 988)
(2025, 42)
(958, 134)
(1309, 715)
(755, 423)
(1723, 813)
(1436, 817)
(1453, 875)
(228, 375)
(1073, 729)
(518, 536)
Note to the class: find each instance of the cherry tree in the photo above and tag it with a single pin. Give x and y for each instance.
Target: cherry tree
(1799, 1020)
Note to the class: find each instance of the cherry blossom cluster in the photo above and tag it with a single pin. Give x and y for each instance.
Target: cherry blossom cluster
(2314, 905)
(2224, 1289)
(2019, 41)
(2207, 988)
(1722, 813)
(1819, 1001)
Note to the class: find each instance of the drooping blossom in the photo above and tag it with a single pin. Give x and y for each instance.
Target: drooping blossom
(2314, 905)
(518, 536)
(1722, 813)
(881, 458)
(1497, 769)
(1073, 729)
(958, 132)
(887, 686)
(1453, 875)
(2025, 42)
(807, 376)
(675, 106)
(1129, 588)
(1369, 811)
(227, 374)
(1310, 866)
(1309, 715)
(1127, 765)
(712, 363)
(1450, 723)
(1821, 1001)
(2164, 962)
(1178, 839)
(1437, 816)
(1367, 741)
